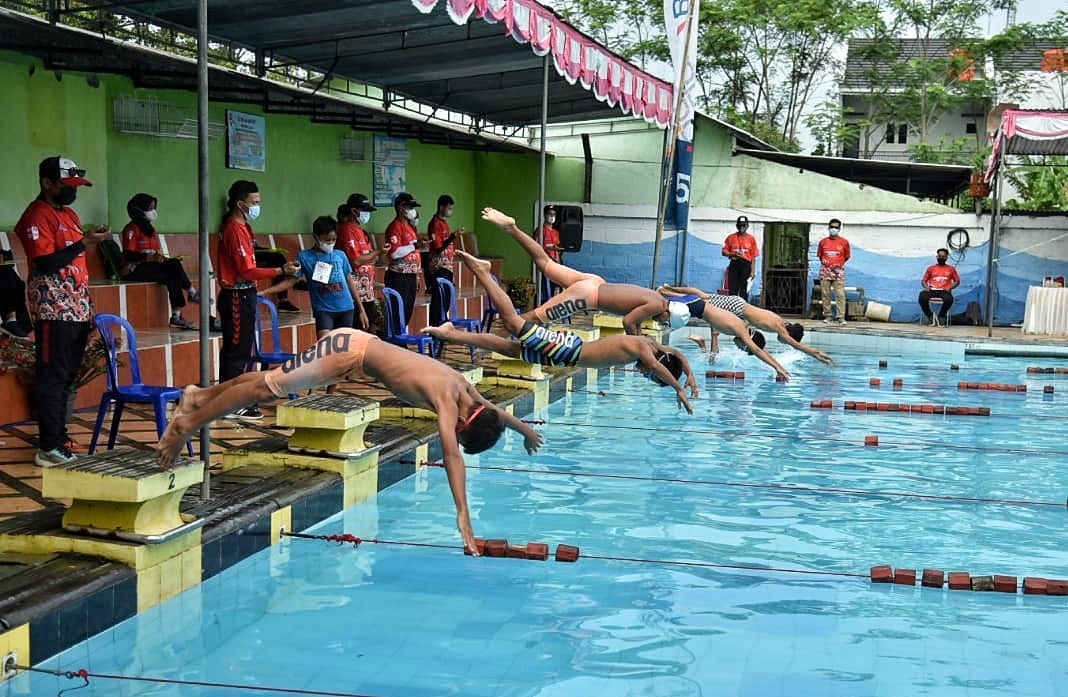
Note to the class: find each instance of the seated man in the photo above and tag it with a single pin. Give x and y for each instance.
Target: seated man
(789, 334)
(465, 417)
(938, 281)
(537, 344)
(587, 291)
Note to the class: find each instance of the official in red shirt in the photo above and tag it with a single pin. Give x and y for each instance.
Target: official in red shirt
(354, 241)
(833, 252)
(549, 237)
(741, 249)
(237, 273)
(442, 252)
(402, 248)
(938, 281)
(59, 302)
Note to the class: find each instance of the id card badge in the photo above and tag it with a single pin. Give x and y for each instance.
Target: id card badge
(322, 272)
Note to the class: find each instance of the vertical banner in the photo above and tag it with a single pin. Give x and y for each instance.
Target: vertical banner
(680, 17)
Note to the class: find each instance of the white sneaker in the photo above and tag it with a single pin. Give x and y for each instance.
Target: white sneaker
(53, 457)
(841, 321)
(826, 320)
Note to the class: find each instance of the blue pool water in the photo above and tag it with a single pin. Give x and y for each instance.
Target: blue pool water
(773, 600)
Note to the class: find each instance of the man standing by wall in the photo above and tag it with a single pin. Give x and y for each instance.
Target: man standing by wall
(58, 292)
(402, 249)
(442, 252)
(833, 253)
(741, 248)
(938, 281)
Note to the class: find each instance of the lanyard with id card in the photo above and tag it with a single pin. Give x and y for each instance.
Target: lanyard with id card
(322, 272)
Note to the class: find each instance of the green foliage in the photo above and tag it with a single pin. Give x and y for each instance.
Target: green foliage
(1042, 183)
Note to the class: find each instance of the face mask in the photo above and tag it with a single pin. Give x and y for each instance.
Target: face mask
(448, 213)
(411, 214)
(551, 219)
(327, 246)
(253, 212)
(66, 195)
(151, 215)
(364, 217)
(832, 231)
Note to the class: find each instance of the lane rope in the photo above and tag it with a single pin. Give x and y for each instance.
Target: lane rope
(756, 485)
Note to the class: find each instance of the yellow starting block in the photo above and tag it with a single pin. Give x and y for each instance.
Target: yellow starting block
(123, 494)
(329, 424)
(611, 325)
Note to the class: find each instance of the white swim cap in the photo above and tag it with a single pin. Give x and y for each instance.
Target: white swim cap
(678, 314)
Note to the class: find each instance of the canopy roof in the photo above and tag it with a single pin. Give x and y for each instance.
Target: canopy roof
(1028, 133)
(938, 182)
(436, 52)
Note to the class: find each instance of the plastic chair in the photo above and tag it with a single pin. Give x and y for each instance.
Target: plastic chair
(452, 315)
(936, 307)
(490, 313)
(110, 327)
(261, 358)
(397, 325)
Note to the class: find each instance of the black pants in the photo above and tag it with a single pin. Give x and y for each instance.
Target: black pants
(13, 297)
(738, 277)
(170, 273)
(59, 349)
(438, 310)
(405, 284)
(237, 312)
(925, 305)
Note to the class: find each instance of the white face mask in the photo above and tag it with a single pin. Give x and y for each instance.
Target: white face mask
(447, 213)
(253, 212)
(551, 220)
(364, 217)
(411, 214)
(327, 246)
(151, 215)
(832, 231)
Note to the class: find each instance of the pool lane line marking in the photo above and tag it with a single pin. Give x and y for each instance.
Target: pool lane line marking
(914, 444)
(757, 485)
(84, 675)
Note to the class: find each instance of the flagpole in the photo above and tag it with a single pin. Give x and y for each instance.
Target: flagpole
(669, 146)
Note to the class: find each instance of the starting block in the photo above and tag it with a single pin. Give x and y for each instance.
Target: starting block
(123, 494)
(611, 325)
(328, 424)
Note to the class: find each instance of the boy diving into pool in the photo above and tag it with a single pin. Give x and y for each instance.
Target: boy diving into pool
(541, 345)
(465, 417)
(587, 291)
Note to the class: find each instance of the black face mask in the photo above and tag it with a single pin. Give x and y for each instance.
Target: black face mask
(66, 195)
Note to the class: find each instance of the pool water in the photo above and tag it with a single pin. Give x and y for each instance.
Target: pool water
(720, 555)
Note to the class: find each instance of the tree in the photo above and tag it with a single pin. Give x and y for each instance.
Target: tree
(1041, 181)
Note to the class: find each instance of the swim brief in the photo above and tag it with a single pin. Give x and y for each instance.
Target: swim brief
(544, 346)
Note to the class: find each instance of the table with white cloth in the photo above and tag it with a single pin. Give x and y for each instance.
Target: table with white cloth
(1046, 311)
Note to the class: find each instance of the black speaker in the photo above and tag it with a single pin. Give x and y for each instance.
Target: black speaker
(569, 223)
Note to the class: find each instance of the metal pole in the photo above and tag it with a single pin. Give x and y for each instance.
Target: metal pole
(992, 252)
(534, 275)
(206, 289)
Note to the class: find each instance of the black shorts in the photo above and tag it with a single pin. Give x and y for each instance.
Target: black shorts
(333, 320)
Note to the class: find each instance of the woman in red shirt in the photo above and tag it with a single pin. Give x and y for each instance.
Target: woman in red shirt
(143, 258)
(354, 241)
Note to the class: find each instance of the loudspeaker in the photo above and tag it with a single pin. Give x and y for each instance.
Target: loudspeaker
(569, 223)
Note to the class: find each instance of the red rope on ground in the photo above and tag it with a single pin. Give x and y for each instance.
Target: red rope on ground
(756, 485)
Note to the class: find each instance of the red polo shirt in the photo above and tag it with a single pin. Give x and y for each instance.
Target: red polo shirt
(44, 229)
(236, 260)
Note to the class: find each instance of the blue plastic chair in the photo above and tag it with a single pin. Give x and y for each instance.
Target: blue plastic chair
(397, 325)
(261, 358)
(452, 314)
(490, 313)
(110, 328)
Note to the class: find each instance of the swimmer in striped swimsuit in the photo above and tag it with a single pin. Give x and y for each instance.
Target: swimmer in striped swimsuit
(465, 417)
(544, 346)
(789, 334)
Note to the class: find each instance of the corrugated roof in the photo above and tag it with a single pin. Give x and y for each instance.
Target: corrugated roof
(863, 58)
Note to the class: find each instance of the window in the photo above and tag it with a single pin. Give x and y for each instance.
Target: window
(897, 133)
(969, 128)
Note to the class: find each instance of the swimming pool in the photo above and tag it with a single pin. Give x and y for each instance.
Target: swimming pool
(721, 555)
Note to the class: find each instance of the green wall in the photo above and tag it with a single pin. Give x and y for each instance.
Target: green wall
(305, 176)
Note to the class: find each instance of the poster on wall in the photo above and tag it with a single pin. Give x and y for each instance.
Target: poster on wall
(245, 141)
(391, 169)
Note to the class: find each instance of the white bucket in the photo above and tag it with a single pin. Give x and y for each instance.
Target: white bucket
(877, 311)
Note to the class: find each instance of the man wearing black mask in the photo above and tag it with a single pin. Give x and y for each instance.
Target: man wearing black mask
(938, 282)
(58, 292)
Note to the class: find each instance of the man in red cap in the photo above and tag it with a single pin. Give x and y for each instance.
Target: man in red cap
(58, 292)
